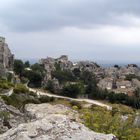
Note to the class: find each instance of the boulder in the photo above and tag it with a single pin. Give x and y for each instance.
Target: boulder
(52, 122)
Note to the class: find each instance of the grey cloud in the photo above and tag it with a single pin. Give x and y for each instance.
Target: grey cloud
(33, 15)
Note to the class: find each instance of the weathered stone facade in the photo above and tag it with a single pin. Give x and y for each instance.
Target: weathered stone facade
(50, 64)
(6, 57)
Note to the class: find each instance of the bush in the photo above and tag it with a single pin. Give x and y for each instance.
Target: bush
(46, 99)
(72, 90)
(32, 94)
(49, 86)
(19, 88)
(63, 76)
(13, 100)
(20, 100)
(103, 121)
(4, 115)
(18, 67)
(5, 84)
(24, 80)
(74, 103)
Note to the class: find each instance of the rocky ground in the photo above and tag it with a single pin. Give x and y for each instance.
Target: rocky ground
(10, 117)
(51, 122)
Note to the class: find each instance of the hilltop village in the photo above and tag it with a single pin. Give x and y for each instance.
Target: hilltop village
(117, 79)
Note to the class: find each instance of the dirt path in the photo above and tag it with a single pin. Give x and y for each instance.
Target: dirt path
(95, 102)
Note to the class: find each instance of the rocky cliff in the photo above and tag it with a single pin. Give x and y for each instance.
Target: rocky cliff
(52, 122)
(6, 58)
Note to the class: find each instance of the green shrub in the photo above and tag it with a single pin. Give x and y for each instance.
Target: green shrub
(74, 103)
(19, 88)
(5, 84)
(20, 100)
(24, 80)
(45, 99)
(14, 100)
(32, 94)
(4, 115)
(103, 121)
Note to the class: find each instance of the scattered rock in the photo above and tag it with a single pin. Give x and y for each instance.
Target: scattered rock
(52, 122)
(10, 117)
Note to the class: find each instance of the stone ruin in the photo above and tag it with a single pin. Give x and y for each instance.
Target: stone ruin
(6, 58)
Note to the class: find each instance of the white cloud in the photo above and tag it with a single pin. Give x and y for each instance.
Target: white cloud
(104, 42)
(88, 29)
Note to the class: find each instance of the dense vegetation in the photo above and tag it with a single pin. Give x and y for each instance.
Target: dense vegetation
(22, 96)
(119, 121)
(96, 118)
(74, 83)
(32, 73)
(100, 120)
(83, 83)
(5, 85)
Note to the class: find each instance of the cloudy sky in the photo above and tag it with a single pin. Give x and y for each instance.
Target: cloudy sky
(99, 30)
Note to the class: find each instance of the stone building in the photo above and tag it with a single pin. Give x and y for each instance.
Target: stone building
(106, 83)
(6, 57)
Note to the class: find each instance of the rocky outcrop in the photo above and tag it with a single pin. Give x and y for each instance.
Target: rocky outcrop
(6, 58)
(52, 122)
(10, 117)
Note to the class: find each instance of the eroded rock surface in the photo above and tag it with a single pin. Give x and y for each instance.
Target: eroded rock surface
(10, 117)
(52, 122)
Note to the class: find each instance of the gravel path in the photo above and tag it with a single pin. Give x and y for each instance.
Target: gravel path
(95, 102)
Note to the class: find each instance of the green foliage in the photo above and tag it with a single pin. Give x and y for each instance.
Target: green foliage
(77, 72)
(37, 68)
(4, 115)
(24, 80)
(49, 86)
(132, 76)
(103, 121)
(45, 99)
(20, 88)
(32, 94)
(5, 85)
(77, 104)
(63, 76)
(23, 96)
(137, 93)
(27, 64)
(35, 78)
(72, 90)
(20, 97)
(95, 93)
(9, 77)
(18, 67)
(13, 100)
(88, 78)
(57, 66)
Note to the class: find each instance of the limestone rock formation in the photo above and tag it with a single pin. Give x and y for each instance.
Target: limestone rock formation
(9, 117)
(52, 122)
(6, 57)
